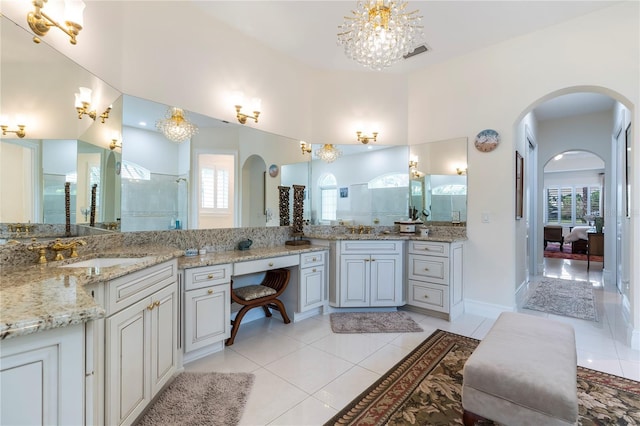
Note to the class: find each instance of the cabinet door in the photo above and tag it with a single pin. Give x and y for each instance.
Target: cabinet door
(311, 287)
(207, 316)
(41, 378)
(386, 280)
(164, 336)
(354, 280)
(127, 388)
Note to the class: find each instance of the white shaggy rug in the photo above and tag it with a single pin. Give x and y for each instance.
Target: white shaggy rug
(201, 399)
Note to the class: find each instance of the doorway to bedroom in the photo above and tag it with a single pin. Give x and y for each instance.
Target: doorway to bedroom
(574, 206)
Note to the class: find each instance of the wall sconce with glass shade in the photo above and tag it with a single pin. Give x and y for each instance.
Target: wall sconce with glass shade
(305, 147)
(83, 105)
(413, 162)
(116, 141)
(366, 139)
(20, 121)
(40, 22)
(255, 105)
(461, 170)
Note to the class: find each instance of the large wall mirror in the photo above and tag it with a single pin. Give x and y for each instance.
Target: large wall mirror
(227, 175)
(438, 189)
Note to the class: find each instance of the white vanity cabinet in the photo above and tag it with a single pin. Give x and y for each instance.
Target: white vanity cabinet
(368, 274)
(435, 277)
(312, 281)
(136, 342)
(207, 309)
(41, 378)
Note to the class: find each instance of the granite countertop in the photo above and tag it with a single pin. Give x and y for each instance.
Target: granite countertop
(235, 256)
(41, 297)
(386, 236)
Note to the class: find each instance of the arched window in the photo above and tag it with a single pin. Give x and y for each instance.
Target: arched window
(328, 197)
(390, 180)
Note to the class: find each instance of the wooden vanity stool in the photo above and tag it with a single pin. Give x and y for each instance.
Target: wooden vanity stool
(264, 294)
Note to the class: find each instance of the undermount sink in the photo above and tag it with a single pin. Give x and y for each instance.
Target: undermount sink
(104, 262)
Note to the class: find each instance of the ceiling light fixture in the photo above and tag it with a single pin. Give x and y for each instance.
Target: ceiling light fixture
(83, 106)
(366, 139)
(40, 23)
(328, 153)
(4, 125)
(380, 33)
(175, 126)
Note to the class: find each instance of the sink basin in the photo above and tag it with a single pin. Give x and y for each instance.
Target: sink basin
(104, 262)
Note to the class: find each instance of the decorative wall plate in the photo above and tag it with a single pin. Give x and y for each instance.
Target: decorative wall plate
(487, 140)
(273, 170)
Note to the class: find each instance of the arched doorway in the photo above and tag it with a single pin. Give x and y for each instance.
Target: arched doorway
(573, 119)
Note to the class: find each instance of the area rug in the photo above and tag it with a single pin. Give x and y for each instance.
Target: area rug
(425, 389)
(373, 322)
(553, 251)
(564, 297)
(201, 399)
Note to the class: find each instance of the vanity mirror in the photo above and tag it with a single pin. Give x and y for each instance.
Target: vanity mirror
(438, 173)
(38, 83)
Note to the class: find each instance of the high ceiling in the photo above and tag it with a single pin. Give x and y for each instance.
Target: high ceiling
(306, 30)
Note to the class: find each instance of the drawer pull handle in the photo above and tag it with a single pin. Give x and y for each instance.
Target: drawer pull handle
(151, 306)
(210, 276)
(366, 260)
(426, 297)
(426, 269)
(373, 260)
(210, 291)
(270, 263)
(156, 303)
(313, 270)
(426, 248)
(314, 259)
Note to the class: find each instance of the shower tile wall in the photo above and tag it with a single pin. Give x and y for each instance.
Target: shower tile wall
(149, 205)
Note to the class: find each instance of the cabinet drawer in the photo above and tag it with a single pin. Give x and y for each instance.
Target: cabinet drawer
(261, 265)
(431, 248)
(312, 259)
(429, 296)
(429, 268)
(371, 247)
(133, 287)
(207, 276)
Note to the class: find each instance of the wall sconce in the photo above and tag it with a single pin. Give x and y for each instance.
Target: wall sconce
(115, 142)
(40, 23)
(305, 147)
(413, 162)
(366, 139)
(255, 107)
(83, 105)
(461, 171)
(4, 125)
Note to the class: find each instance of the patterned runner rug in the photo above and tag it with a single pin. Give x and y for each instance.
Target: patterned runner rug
(564, 297)
(425, 389)
(373, 322)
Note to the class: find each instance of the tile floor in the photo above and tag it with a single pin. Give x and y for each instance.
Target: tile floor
(305, 373)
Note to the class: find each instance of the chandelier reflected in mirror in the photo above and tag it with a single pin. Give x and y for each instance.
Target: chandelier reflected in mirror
(328, 153)
(380, 32)
(175, 126)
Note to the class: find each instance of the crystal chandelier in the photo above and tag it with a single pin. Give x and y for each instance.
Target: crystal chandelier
(380, 32)
(328, 153)
(175, 126)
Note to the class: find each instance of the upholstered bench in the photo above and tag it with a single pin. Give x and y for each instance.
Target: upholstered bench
(522, 373)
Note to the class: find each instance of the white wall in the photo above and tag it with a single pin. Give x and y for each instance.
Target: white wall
(59, 156)
(494, 88)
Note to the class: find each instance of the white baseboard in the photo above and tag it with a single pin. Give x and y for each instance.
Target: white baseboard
(484, 309)
(632, 334)
(607, 276)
